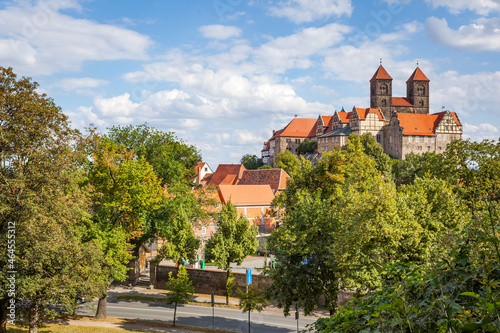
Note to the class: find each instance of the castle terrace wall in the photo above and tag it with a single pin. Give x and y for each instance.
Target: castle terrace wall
(206, 280)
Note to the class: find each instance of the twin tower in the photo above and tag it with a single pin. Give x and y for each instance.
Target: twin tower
(417, 94)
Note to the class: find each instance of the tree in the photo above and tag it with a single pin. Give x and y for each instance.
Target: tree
(250, 301)
(373, 149)
(42, 209)
(124, 190)
(344, 223)
(289, 162)
(180, 289)
(251, 162)
(173, 161)
(234, 240)
(308, 146)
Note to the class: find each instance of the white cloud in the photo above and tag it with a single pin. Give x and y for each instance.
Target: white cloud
(299, 11)
(480, 132)
(484, 35)
(69, 84)
(218, 31)
(294, 51)
(482, 7)
(38, 39)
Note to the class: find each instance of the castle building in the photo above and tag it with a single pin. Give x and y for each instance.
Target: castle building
(401, 125)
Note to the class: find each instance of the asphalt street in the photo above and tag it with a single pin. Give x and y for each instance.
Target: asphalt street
(201, 316)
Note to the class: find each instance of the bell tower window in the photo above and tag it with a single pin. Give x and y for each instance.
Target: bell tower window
(383, 89)
(421, 90)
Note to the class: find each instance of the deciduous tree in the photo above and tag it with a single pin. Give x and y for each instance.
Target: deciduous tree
(180, 289)
(234, 240)
(42, 208)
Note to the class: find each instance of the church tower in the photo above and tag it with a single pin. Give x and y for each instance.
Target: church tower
(381, 91)
(417, 91)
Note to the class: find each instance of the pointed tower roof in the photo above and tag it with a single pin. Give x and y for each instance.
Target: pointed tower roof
(381, 74)
(418, 75)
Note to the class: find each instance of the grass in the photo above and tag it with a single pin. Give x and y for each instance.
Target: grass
(126, 323)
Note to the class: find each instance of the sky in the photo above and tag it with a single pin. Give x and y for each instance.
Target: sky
(222, 74)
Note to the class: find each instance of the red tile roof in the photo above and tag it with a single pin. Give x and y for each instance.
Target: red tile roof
(344, 116)
(267, 145)
(401, 101)
(422, 124)
(276, 178)
(246, 195)
(418, 75)
(300, 127)
(362, 113)
(226, 174)
(381, 74)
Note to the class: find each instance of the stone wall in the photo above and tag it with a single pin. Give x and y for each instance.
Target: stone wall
(205, 280)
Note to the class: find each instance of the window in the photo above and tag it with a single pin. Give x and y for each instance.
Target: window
(425, 139)
(428, 148)
(217, 205)
(379, 138)
(384, 102)
(417, 138)
(288, 140)
(383, 89)
(421, 90)
(297, 140)
(203, 230)
(439, 148)
(410, 138)
(421, 103)
(216, 228)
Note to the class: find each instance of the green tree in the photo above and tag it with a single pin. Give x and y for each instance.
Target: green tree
(373, 149)
(251, 301)
(124, 190)
(173, 161)
(251, 162)
(234, 240)
(308, 146)
(344, 223)
(180, 289)
(42, 208)
(289, 162)
(415, 165)
(265, 166)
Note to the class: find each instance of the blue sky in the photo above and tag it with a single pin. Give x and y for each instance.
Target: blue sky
(222, 74)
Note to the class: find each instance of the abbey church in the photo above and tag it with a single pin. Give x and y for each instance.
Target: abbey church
(401, 125)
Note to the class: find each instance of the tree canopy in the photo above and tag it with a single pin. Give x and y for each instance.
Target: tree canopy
(251, 162)
(234, 240)
(308, 146)
(43, 211)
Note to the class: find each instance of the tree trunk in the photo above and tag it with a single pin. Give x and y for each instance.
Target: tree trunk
(227, 290)
(33, 318)
(175, 312)
(332, 311)
(3, 315)
(101, 307)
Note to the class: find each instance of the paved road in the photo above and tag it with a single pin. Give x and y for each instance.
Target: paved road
(201, 316)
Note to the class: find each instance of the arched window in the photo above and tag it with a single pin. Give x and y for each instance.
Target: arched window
(383, 89)
(384, 102)
(421, 104)
(421, 90)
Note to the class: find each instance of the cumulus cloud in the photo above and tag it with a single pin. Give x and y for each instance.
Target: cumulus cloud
(484, 35)
(300, 11)
(480, 132)
(293, 51)
(38, 39)
(218, 31)
(482, 7)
